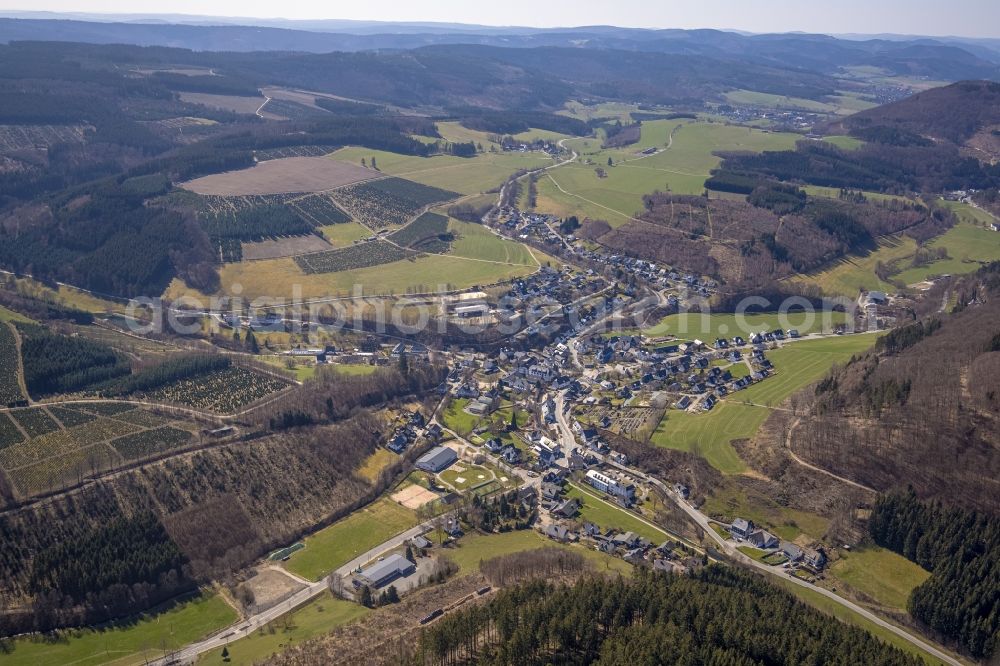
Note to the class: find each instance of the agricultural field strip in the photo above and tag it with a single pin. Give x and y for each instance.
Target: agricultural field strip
(631, 218)
(83, 432)
(11, 372)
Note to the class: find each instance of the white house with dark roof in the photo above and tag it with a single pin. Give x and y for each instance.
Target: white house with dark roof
(741, 528)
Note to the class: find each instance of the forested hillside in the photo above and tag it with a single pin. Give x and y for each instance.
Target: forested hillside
(717, 616)
(776, 232)
(920, 408)
(961, 549)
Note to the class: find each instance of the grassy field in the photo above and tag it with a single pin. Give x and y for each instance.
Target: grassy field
(316, 618)
(834, 192)
(969, 244)
(474, 548)
(341, 235)
(845, 142)
(535, 134)
(474, 241)
(278, 277)
(331, 547)
(802, 363)
(606, 515)
(846, 615)
(729, 501)
(851, 274)
(881, 574)
(355, 370)
(136, 643)
(457, 419)
(683, 167)
(375, 463)
(610, 110)
(10, 315)
(710, 434)
(465, 175)
(708, 327)
(752, 98)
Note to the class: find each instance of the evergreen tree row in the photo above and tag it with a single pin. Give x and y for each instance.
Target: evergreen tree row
(719, 616)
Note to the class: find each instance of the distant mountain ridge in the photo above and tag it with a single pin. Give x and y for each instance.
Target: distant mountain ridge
(941, 60)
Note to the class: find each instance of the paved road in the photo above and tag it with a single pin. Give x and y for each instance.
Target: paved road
(730, 549)
(246, 627)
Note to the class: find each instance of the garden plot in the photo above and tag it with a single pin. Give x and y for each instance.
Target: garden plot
(292, 174)
(388, 202)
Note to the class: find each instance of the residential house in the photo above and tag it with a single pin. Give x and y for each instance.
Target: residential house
(763, 539)
(741, 528)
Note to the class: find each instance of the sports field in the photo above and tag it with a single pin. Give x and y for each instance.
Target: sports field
(339, 543)
(739, 416)
(316, 618)
(127, 644)
(682, 164)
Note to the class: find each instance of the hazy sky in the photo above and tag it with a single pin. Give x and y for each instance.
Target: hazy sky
(974, 18)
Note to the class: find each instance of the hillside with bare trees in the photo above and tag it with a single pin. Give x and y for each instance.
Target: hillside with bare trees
(922, 408)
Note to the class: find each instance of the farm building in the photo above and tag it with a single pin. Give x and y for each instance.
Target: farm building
(384, 572)
(437, 459)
